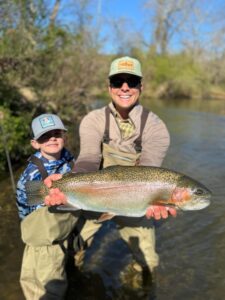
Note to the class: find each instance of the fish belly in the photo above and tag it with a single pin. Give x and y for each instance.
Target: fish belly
(119, 199)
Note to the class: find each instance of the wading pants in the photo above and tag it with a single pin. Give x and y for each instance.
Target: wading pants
(140, 239)
(138, 233)
(43, 273)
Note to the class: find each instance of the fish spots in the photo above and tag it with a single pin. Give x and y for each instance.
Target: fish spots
(128, 191)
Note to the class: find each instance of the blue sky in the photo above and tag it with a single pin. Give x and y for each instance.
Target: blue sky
(131, 11)
(136, 20)
(107, 11)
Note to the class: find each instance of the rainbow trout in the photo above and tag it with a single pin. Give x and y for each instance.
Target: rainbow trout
(125, 191)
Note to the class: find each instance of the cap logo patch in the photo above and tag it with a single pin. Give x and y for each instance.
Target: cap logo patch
(46, 122)
(126, 65)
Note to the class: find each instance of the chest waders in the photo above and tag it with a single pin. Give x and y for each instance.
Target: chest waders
(39, 163)
(133, 232)
(112, 156)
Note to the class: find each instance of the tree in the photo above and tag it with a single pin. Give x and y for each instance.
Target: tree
(167, 19)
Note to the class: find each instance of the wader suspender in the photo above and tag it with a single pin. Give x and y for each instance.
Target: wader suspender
(138, 141)
(39, 163)
(106, 132)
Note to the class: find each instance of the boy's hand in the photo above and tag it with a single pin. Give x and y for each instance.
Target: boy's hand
(158, 211)
(48, 180)
(55, 196)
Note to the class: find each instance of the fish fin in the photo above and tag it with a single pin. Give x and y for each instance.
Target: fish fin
(105, 217)
(163, 202)
(35, 191)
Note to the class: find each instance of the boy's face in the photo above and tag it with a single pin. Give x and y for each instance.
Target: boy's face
(50, 144)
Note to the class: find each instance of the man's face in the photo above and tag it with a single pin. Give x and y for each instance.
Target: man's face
(125, 90)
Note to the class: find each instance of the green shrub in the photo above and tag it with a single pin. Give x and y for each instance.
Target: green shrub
(176, 76)
(15, 136)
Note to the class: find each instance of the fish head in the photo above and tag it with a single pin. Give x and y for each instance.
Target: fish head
(190, 194)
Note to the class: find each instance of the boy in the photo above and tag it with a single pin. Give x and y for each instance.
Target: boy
(45, 234)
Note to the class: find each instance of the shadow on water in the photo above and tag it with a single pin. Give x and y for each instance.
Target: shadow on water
(190, 246)
(102, 276)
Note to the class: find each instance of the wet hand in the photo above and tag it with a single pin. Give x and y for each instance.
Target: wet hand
(55, 197)
(48, 180)
(158, 211)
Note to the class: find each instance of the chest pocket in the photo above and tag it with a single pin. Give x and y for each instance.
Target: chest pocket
(111, 156)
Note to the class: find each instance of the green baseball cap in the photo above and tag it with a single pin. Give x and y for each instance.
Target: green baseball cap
(127, 65)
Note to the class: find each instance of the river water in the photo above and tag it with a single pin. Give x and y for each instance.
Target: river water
(190, 246)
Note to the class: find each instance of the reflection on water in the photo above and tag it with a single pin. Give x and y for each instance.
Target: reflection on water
(195, 256)
(212, 106)
(191, 246)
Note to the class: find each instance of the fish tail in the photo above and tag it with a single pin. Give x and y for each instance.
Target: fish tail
(35, 192)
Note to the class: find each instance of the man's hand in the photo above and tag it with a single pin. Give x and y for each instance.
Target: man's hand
(158, 211)
(55, 196)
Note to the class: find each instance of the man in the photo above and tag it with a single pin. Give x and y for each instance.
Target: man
(123, 133)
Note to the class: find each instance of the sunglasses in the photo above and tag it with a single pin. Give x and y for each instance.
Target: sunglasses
(53, 133)
(132, 82)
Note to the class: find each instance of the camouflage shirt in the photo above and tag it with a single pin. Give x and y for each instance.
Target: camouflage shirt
(32, 172)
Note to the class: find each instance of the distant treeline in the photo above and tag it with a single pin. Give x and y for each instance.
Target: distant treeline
(48, 67)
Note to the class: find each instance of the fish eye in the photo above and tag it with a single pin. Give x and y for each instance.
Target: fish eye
(199, 192)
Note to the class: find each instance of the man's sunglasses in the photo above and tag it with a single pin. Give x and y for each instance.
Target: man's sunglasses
(132, 82)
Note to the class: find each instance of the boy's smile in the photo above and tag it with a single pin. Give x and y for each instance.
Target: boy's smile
(50, 144)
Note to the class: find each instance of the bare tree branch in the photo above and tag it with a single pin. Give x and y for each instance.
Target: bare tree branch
(54, 12)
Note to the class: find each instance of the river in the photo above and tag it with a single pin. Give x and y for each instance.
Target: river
(190, 246)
